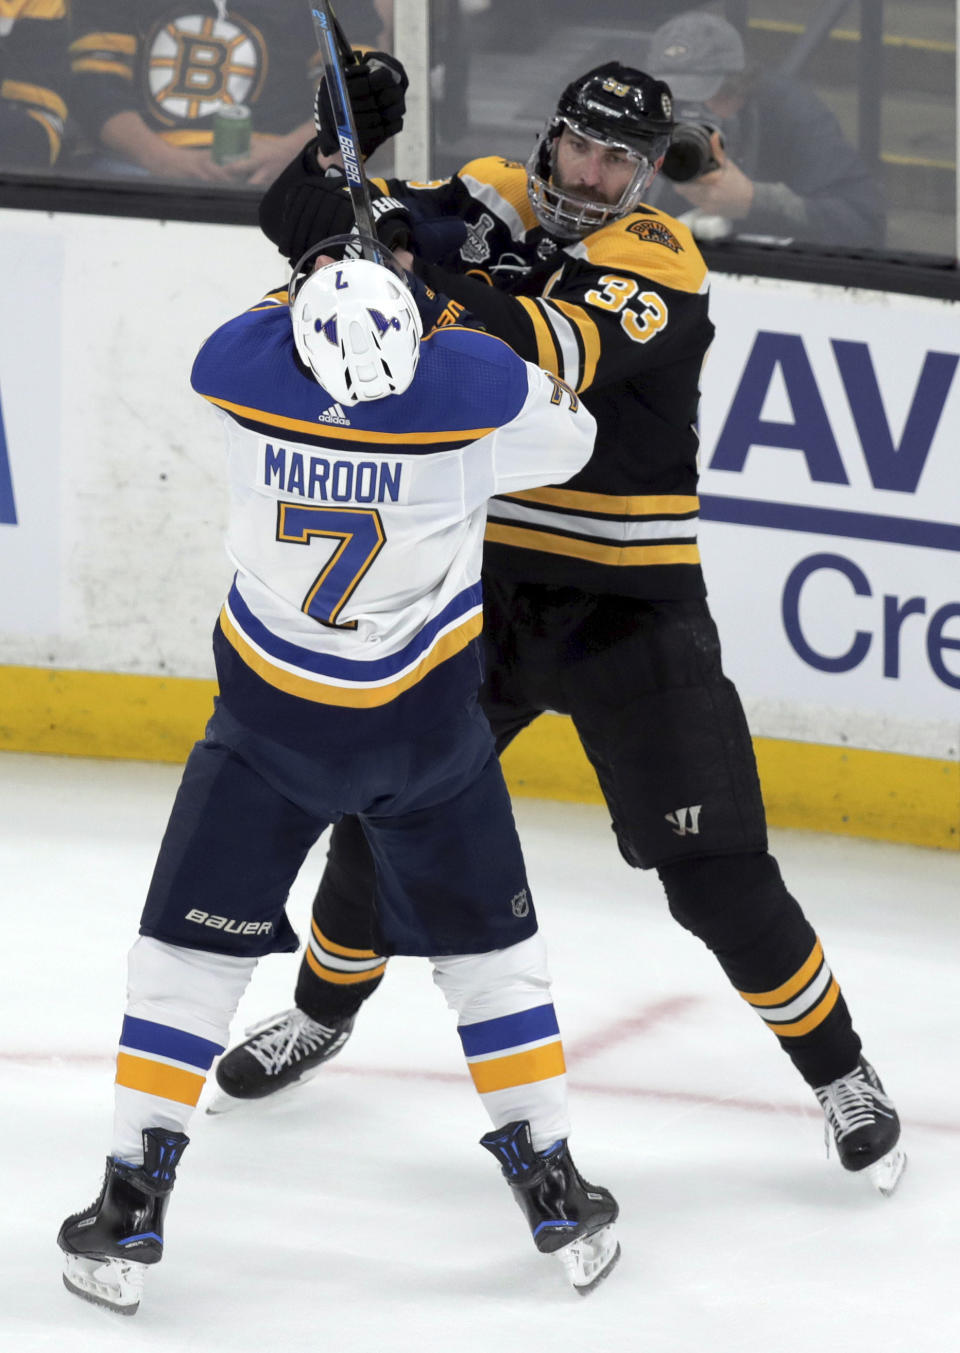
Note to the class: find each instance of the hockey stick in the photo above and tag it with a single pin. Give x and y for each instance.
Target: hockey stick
(334, 50)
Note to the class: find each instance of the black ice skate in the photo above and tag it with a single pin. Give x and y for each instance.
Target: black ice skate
(568, 1217)
(108, 1248)
(865, 1126)
(281, 1051)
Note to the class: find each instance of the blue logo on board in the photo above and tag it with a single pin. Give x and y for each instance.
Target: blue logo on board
(8, 510)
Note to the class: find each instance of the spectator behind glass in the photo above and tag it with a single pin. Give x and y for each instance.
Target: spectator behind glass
(785, 169)
(148, 78)
(33, 82)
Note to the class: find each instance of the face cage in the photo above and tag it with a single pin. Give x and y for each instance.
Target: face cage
(565, 213)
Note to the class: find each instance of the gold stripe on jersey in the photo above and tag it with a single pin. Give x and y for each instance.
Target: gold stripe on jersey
(620, 556)
(276, 420)
(43, 100)
(272, 300)
(547, 355)
(615, 246)
(33, 9)
(89, 65)
(357, 696)
(190, 140)
(502, 188)
(589, 338)
(106, 42)
(519, 1068)
(156, 1078)
(614, 505)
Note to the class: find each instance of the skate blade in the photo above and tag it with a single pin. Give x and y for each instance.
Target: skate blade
(223, 1103)
(588, 1261)
(116, 1284)
(885, 1174)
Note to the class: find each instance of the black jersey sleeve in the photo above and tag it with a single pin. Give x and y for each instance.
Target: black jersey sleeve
(33, 80)
(103, 57)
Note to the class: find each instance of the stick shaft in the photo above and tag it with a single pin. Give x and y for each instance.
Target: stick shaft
(333, 45)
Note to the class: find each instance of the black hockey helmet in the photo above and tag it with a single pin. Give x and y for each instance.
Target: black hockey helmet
(619, 106)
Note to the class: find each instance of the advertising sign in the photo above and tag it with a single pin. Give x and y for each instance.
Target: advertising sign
(830, 450)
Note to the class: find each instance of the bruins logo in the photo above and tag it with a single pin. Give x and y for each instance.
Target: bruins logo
(656, 233)
(194, 63)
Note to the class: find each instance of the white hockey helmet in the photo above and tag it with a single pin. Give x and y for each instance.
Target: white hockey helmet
(357, 327)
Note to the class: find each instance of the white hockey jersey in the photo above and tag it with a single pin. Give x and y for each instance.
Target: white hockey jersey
(357, 532)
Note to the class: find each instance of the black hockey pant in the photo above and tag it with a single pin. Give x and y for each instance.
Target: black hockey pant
(665, 732)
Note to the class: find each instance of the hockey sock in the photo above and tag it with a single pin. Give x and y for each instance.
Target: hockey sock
(335, 979)
(341, 965)
(179, 1006)
(739, 907)
(510, 1037)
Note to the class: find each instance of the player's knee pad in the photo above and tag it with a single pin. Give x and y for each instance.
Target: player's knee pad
(728, 900)
(500, 982)
(189, 989)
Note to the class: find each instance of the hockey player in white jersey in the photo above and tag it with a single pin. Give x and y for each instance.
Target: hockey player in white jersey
(360, 458)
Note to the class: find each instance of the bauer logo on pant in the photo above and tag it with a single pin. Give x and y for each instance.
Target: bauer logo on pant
(229, 925)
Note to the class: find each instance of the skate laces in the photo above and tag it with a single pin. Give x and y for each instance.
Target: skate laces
(287, 1038)
(852, 1102)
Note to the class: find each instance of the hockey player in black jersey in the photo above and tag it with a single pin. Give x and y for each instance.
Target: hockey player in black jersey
(594, 596)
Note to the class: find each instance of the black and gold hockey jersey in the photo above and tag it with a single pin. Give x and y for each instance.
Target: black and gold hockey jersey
(621, 316)
(175, 62)
(33, 82)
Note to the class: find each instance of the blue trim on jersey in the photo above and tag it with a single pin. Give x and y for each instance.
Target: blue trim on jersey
(351, 669)
(509, 1031)
(144, 1035)
(465, 380)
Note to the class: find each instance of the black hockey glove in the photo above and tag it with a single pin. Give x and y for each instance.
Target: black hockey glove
(376, 85)
(311, 208)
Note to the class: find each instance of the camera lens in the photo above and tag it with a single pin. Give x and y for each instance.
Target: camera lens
(690, 153)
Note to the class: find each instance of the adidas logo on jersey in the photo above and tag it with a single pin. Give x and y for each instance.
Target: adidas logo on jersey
(334, 414)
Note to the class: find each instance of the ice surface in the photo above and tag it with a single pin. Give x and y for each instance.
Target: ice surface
(358, 1212)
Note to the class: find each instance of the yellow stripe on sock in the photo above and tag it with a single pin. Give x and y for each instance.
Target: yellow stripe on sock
(340, 949)
(155, 1078)
(816, 1016)
(342, 978)
(790, 988)
(520, 1068)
